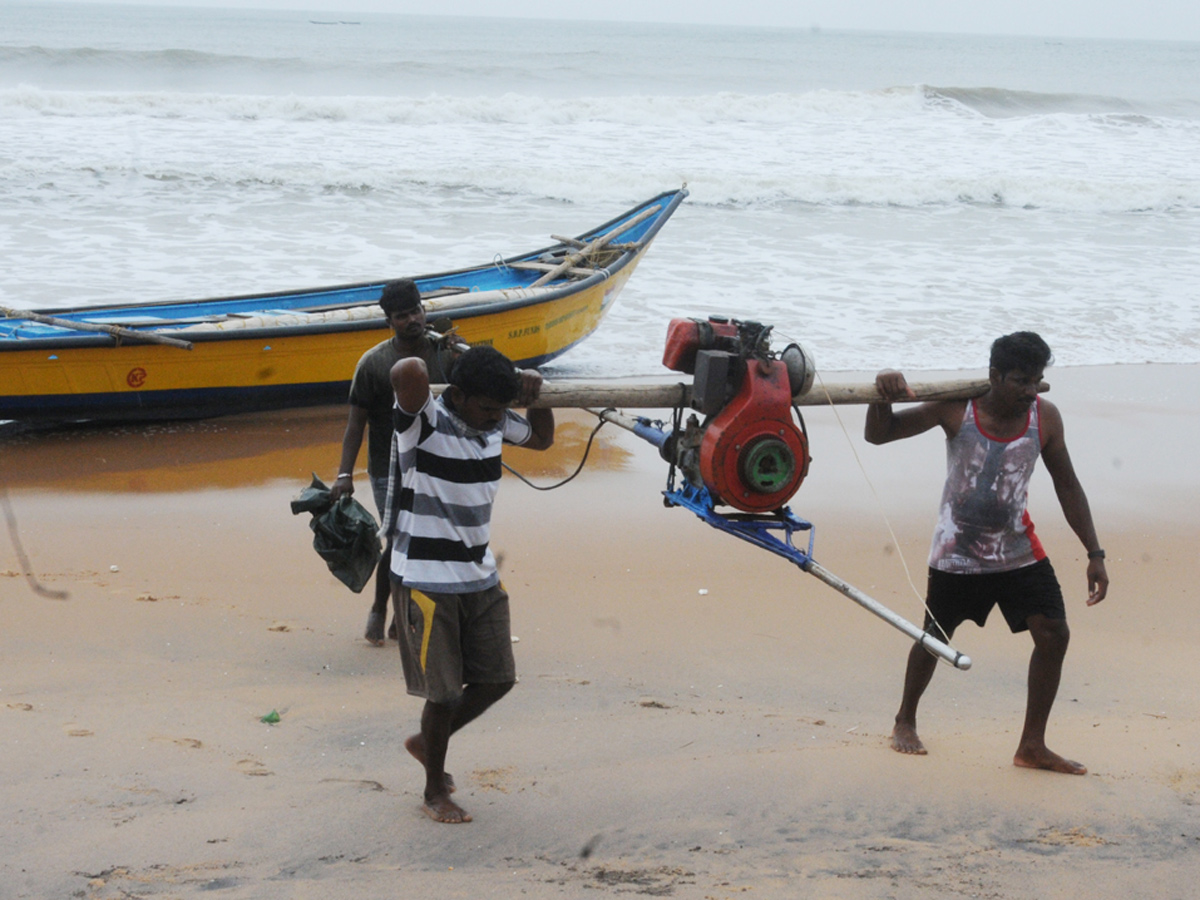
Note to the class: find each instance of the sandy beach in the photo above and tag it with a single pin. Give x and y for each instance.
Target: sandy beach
(695, 718)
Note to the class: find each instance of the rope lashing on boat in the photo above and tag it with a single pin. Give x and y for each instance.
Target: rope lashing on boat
(594, 245)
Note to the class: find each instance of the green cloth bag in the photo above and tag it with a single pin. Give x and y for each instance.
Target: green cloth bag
(345, 534)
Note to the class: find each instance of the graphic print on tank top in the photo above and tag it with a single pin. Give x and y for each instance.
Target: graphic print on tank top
(983, 525)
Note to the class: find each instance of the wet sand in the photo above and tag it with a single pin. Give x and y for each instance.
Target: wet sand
(695, 718)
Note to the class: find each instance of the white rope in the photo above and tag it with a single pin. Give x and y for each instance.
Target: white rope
(882, 512)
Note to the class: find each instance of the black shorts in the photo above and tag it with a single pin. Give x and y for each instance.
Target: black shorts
(1020, 593)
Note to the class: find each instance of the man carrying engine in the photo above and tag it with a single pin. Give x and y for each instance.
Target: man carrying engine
(451, 611)
(984, 551)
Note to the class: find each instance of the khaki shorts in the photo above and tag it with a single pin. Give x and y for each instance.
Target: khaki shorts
(451, 640)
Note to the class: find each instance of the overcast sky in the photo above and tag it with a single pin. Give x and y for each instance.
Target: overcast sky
(1150, 19)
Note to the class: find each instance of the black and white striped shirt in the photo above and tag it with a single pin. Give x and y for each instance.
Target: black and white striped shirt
(449, 475)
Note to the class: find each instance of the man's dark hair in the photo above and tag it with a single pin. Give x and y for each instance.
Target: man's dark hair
(1021, 351)
(400, 296)
(486, 372)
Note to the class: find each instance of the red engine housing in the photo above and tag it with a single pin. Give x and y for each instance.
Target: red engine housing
(752, 455)
(686, 337)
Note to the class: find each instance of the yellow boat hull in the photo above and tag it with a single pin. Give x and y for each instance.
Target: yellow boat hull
(276, 367)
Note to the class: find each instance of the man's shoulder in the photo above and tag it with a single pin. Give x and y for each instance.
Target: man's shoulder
(371, 386)
(386, 354)
(947, 413)
(958, 407)
(515, 428)
(1050, 421)
(382, 350)
(1047, 407)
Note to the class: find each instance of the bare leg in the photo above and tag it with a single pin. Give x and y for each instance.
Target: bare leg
(383, 594)
(921, 666)
(1050, 639)
(438, 722)
(435, 736)
(415, 745)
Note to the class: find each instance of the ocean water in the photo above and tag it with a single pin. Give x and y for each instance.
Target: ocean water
(885, 199)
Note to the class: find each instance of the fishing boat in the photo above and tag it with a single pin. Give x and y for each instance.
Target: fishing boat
(202, 358)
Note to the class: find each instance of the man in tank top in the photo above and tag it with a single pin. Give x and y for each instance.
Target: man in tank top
(984, 551)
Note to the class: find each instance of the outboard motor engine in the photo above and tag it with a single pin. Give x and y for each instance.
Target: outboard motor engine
(748, 451)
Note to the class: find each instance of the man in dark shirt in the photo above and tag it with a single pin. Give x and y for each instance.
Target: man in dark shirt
(371, 400)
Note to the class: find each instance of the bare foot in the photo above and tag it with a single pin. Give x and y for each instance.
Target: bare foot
(1047, 759)
(905, 740)
(374, 633)
(443, 809)
(416, 747)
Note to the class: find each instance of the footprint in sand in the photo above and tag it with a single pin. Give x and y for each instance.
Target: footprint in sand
(251, 766)
(365, 783)
(494, 779)
(189, 743)
(651, 703)
(1186, 783)
(1069, 837)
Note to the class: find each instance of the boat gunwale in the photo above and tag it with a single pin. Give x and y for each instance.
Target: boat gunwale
(80, 340)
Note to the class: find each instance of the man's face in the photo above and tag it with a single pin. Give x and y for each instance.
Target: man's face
(481, 413)
(408, 324)
(1016, 390)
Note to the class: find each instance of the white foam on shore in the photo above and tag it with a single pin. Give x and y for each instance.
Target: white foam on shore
(870, 212)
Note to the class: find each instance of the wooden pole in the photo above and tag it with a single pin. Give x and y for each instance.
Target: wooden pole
(665, 395)
(592, 246)
(127, 334)
(578, 271)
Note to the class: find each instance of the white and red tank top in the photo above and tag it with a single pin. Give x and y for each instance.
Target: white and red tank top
(983, 525)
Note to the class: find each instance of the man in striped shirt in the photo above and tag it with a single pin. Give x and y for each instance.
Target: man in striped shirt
(452, 613)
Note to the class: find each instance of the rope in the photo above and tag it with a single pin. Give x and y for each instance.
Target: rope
(26, 567)
(883, 514)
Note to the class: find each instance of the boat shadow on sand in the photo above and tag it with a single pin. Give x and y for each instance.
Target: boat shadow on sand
(239, 451)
